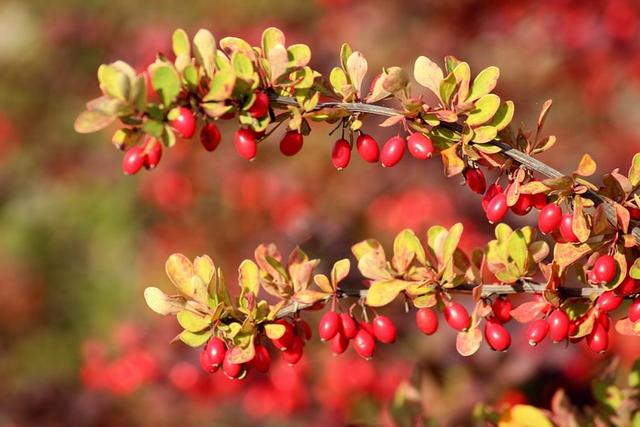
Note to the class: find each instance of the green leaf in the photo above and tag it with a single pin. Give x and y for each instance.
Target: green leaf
(299, 55)
(373, 268)
(243, 67)
(92, 121)
(462, 72)
(448, 88)
(634, 272)
(435, 241)
(271, 37)
(192, 322)
(221, 86)
(484, 134)
(368, 247)
(428, 74)
(503, 116)
(204, 49)
(485, 108)
(406, 248)
(114, 82)
(190, 75)
(162, 303)
(345, 53)
(244, 351)
(180, 43)
(451, 242)
(634, 375)
(166, 82)
(274, 330)
(383, 292)
(634, 171)
(195, 339)
(518, 252)
(248, 277)
(154, 128)
(339, 271)
(484, 83)
(204, 268)
(180, 270)
(339, 81)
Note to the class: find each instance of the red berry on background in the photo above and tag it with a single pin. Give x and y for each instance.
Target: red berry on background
(522, 206)
(262, 359)
(133, 160)
(628, 286)
(206, 364)
(490, 194)
(598, 338)
(367, 326)
(427, 320)
(305, 328)
(392, 151)
(608, 301)
(497, 208)
(420, 146)
(634, 213)
(153, 153)
(216, 350)
(349, 326)
(496, 335)
(293, 354)
(566, 228)
(536, 331)
(604, 269)
(339, 344)
(634, 310)
(286, 339)
(341, 154)
(367, 148)
(246, 144)
(232, 370)
(604, 320)
(549, 218)
(329, 325)
(558, 325)
(456, 316)
(185, 123)
(364, 344)
(539, 200)
(260, 106)
(210, 136)
(291, 143)
(475, 180)
(501, 308)
(384, 330)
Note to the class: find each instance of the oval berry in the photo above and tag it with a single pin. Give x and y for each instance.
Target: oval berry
(206, 364)
(364, 344)
(474, 179)
(427, 320)
(522, 206)
(216, 350)
(367, 148)
(232, 370)
(291, 143)
(329, 325)
(262, 359)
(349, 326)
(566, 228)
(501, 308)
(133, 160)
(184, 123)
(604, 269)
(558, 325)
(384, 330)
(497, 208)
(260, 106)
(286, 339)
(293, 354)
(456, 316)
(367, 326)
(246, 145)
(628, 286)
(536, 331)
(490, 194)
(496, 335)
(210, 136)
(305, 328)
(339, 344)
(392, 151)
(598, 338)
(153, 153)
(420, 146)
(608, 301)
(341, 154)
(634, 311)
(549, 218)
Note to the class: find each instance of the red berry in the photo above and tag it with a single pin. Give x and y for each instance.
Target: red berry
(558, 325)
(634, 213)
(566, 228)
(539, 200)
(367, 148)
(427, 320)
(206, 364)
(339, 344)
(605, 320)
(628, 286)
(306, 329)
(153, 153)
(384, 330)
(341, 154)
(608, 301)
(501, 308)
(496, 335)
(262, 359)
(456, 316)
(260, 106)
(522, 206)
(293, 354)
(364, 344)
(349, 326)
(549, 218)
(420, 146)
(133, 160)
(536, 331)
(216, 350)
(392, 151)
(497, 208)
(598, 339)
(367, 326)
(291, 143)
(604, 269)
(210, 136)
(329, 326)
(232, 370)
(286, 339)
(634, 310)
(246, 144)
(475, 180)
(490, 194)
(185, 123)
